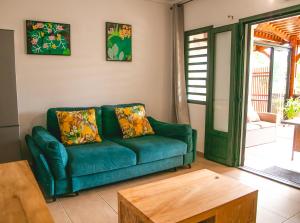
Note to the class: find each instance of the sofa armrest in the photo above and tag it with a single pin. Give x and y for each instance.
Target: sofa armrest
(170, 129)
(41, 168)
(268, 117)
(54, 151)
(182, 132)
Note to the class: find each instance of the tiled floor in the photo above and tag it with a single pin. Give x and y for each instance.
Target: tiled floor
(277, 203)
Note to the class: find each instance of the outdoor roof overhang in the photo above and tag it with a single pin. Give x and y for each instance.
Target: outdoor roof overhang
(282, 31)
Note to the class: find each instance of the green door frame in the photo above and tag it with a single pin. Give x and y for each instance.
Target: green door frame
(220, 146)
(243, 73)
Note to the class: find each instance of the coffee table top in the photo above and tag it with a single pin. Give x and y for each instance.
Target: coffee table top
(181, 197)
(20, 197)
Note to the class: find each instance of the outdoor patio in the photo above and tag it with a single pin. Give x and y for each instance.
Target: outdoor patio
(276, 154)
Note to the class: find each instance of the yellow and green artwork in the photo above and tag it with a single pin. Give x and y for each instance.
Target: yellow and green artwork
(48, 38)
(118, 42)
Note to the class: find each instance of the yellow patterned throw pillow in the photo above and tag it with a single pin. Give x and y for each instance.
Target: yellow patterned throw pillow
(78, 127)
(133, 121)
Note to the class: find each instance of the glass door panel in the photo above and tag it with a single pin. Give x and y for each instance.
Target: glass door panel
(222, 80)
(259, 81)
(279, 79)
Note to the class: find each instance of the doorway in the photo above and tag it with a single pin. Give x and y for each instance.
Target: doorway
(271, 80)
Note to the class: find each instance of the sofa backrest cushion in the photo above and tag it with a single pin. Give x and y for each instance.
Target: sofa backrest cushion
(54, 151)
(111, 127)
(52, 121)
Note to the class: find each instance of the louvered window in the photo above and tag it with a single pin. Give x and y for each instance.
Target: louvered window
(196, 65)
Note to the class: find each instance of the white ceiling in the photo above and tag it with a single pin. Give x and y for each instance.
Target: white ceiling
(166, 1)
(175, 1)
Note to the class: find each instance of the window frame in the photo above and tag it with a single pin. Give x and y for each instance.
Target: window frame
(187, 34)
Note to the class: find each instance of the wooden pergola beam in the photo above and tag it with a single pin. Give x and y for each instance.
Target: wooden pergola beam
(268, 36)
(261, 49)
(297, 23)
(294, 54)
(297, 57)
(267, 27)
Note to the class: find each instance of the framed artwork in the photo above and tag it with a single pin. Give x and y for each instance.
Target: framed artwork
(118, 42)
(48, 38)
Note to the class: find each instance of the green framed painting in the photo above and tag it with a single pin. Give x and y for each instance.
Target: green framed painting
(48, 38)
(118, 42)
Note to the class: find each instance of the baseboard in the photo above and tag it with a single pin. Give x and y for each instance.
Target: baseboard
(201, 154)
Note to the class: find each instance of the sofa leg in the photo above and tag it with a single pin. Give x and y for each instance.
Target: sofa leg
(51, 199)
(189, 166)
(173, 169)
(74, 194)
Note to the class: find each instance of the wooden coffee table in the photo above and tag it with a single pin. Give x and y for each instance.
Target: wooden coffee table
(199, 196)
(20, 197)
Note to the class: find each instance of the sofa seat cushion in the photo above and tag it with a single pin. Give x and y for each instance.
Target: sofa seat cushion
(259, 125)
(153, 147)
(98, 157)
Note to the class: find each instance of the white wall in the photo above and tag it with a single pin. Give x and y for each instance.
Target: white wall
(86, 78)
(197, 115)
(201, 13)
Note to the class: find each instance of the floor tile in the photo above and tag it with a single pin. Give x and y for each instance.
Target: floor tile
(88, 207)
(279, 204)
(58, 212)
(266, 216)
(295, 219)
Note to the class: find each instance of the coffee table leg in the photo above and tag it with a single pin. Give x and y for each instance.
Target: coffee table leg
(294, 142)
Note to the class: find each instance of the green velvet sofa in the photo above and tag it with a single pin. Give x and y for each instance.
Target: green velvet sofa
(64, 170)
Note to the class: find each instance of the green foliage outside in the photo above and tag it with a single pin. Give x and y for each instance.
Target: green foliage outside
(292, 108)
